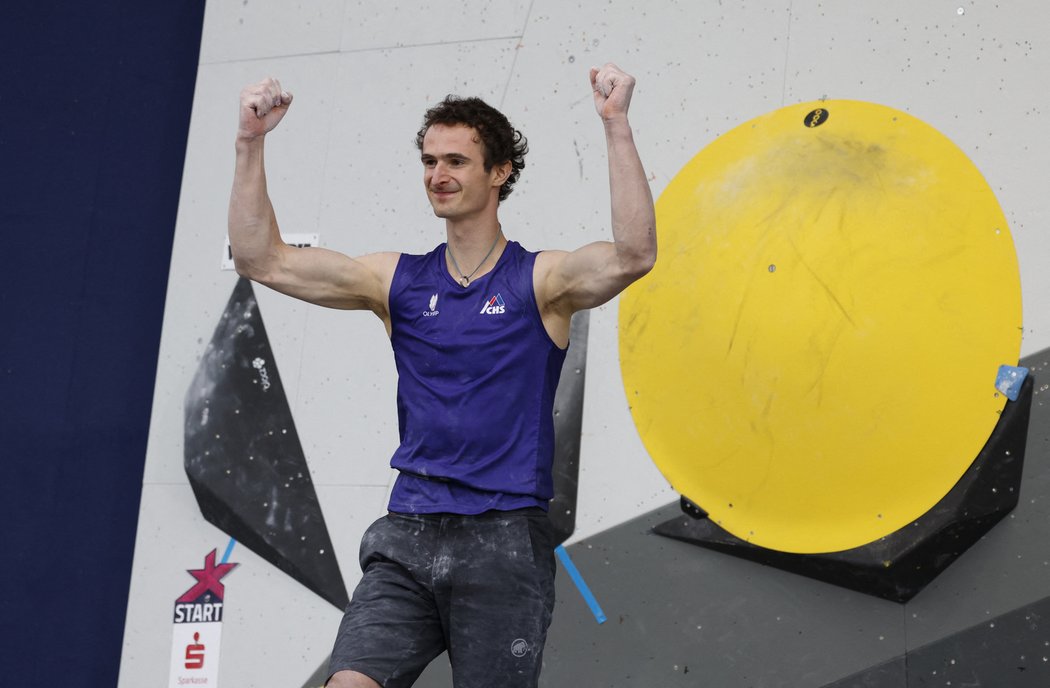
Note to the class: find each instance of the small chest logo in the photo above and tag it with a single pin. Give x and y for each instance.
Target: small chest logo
(433, 307)
(494, 306)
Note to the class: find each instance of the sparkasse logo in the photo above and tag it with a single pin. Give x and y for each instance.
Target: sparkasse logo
(494, 306)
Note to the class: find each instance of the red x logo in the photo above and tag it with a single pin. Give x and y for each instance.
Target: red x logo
(207, 579)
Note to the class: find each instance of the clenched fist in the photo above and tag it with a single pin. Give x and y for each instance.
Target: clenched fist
(263, 106)
(612, 91)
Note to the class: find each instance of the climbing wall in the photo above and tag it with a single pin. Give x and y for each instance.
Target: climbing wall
(246, 375)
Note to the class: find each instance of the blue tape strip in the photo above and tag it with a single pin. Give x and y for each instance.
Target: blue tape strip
(588, 597)
(1009, 380)
(229, 549)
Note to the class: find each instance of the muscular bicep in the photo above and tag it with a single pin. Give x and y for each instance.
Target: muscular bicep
(332, 279)
(585, 278)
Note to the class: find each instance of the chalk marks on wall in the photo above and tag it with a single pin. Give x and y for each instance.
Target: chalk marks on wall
(243, 456)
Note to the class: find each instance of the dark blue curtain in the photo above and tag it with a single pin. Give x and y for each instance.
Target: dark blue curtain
(95, 102)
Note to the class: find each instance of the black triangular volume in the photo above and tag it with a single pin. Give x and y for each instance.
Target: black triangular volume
(243, 456)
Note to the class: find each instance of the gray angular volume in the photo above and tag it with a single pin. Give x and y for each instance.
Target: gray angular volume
(243, 456)
(568, 429)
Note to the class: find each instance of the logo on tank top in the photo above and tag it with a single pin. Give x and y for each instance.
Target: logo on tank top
(433, 307)
(494, 306)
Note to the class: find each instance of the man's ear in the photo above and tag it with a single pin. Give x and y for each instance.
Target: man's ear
(502, 171)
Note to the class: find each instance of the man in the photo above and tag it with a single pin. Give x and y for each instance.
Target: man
(464, 560)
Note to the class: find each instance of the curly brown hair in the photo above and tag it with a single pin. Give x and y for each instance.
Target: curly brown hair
(500, 141)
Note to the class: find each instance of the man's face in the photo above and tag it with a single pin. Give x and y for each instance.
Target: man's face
(454, 172)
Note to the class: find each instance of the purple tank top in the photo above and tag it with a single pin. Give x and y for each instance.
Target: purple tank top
(477, 374)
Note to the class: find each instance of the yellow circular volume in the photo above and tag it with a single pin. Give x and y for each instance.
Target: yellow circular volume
(813, 359)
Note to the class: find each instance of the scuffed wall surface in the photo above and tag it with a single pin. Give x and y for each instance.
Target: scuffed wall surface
(342, 164)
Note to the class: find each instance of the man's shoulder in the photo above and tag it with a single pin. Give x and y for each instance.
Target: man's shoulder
(548, 257)
(541, 254)
(409, 268)
(407, 258)
(381, 264)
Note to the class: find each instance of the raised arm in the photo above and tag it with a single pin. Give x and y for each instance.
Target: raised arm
(317, 275)
(593, 274)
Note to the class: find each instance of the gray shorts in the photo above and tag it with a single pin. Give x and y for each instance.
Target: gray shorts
(480, 587)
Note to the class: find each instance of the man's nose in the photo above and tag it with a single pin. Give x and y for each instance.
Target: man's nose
(440, 174)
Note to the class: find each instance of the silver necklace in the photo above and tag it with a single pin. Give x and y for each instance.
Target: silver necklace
(464, 278)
